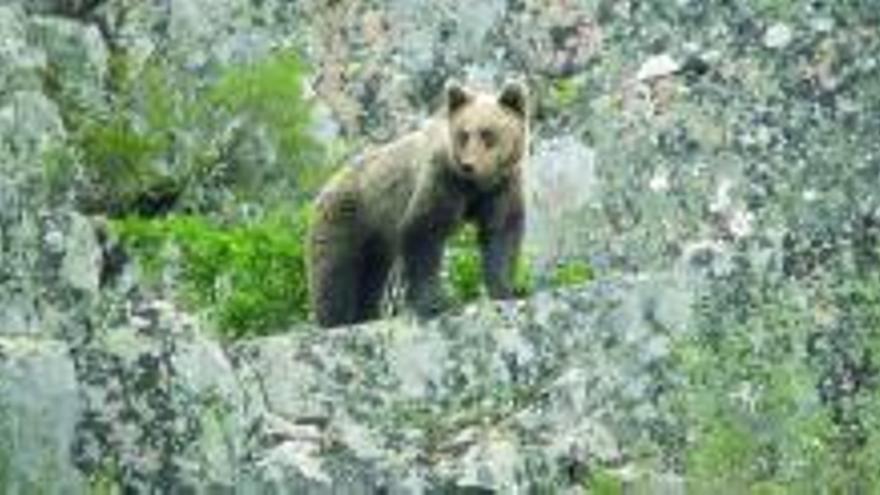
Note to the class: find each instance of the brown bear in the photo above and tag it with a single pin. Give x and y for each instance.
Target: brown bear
(405, 199)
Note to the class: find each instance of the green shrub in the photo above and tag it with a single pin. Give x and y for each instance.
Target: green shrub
(165, 133)
(564, 92)
(465, 273)
(748, 401)
(120, 146)
(121, 163)
(104, 481)
(250, 278)
(269, 93)
(755, 420)
(575, 272)
(604, 482)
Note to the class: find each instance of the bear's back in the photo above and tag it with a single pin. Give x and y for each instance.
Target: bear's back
(390, 174)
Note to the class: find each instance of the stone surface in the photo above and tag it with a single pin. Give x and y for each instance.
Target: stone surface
(77, 59)
(30, 126)
(489, 398)
(161, 403)
(51, 271)
(39, 404)
(703, 157)
(20, 63)
(478, 399)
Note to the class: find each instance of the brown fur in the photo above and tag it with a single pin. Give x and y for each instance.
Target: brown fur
(406, 198)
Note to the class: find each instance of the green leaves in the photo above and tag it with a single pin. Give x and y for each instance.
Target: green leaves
(575, 272)
(268, 95)
(464, 273)
(167, 132)
(250, 279)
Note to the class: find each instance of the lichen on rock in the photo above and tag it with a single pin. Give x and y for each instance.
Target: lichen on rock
(712, 163)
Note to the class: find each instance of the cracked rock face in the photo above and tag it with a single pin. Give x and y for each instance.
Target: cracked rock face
(161, 402)
(681, 143)
(505, 397)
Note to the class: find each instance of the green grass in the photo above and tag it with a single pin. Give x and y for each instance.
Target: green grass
(251, 278)
(465, 273)
(575, 272)
(603, 482)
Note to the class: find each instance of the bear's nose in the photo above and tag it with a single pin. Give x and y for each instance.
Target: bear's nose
(467, 168)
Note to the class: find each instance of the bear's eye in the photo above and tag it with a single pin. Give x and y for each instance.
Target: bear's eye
(462, 138)
(488, 137)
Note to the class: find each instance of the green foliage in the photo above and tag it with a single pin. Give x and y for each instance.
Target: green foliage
(575, 272)
(603, 482)
(464, 268)
(465, 273)
(251, 278)
(121, 160)
(564, 92)
(121, 149)
(269, 93)
(168, 141)
(267, 98)
(104, 482)
(756, 422)
(748, 403)
(165, 133)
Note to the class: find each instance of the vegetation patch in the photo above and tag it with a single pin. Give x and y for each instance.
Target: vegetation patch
(778, 402)
(164, 135)
(464, 271)
(173, 159)
(250, 278)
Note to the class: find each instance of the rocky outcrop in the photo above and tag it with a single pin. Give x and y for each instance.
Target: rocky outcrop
(504, 397)
(701, 155)
(39, 406)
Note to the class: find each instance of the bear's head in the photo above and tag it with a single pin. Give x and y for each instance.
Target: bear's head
(487, 132)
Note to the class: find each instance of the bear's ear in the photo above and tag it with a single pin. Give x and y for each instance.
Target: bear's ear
(456, 96)
(513, 97)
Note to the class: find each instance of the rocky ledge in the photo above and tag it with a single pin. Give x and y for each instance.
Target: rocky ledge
(507, 397)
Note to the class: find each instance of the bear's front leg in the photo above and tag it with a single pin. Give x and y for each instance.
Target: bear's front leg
(422, 252)
(501, 224)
